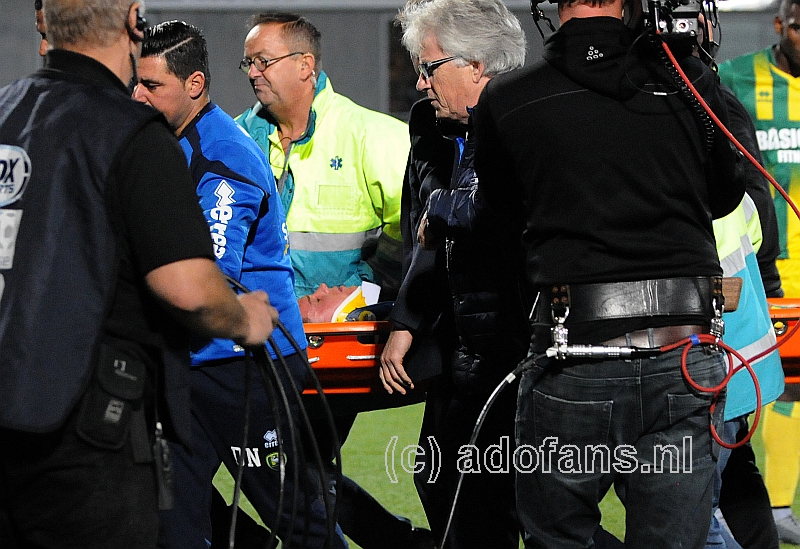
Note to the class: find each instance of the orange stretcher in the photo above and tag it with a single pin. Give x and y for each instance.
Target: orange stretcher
(785, 313)
(345, 357)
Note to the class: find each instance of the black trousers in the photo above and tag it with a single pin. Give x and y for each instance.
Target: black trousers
(744, 500)
(485, 514)
(56, 490)
(363, 518)
(220, 394)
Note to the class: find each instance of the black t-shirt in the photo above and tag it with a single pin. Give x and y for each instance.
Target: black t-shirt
(154, 208)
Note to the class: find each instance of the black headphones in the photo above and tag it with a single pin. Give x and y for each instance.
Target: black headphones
(141, 22)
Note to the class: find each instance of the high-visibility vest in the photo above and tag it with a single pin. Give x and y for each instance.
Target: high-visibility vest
(748, 329)
(340, 185)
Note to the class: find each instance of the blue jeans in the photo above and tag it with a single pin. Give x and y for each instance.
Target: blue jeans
(585, 426)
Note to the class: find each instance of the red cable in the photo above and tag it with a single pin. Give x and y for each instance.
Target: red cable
(727, 133)
(705, 338)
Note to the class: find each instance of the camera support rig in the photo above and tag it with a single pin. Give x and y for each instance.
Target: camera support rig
(675, 20)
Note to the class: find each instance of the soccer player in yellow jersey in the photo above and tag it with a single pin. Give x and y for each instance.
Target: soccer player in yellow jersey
(768, 83)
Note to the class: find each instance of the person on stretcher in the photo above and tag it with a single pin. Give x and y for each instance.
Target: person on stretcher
(344, 304)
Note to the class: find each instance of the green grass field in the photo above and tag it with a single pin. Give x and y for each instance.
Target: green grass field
(363, 460)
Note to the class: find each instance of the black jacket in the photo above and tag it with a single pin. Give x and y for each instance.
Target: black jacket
(94, 218)
(603, 164)
(423, 304)
(484, 274)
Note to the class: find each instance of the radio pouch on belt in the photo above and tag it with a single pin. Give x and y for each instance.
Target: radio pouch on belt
(113, 396)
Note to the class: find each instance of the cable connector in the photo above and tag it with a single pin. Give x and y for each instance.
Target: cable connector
(600, 352)
(560, 336)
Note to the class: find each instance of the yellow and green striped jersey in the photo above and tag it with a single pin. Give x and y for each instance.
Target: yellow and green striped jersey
(772, 97)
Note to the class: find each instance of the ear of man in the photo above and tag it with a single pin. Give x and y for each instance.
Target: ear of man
(135, 23)
(309, 65)
(478, 70)
(196, 84)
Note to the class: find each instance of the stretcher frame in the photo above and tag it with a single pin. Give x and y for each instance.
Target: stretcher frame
(345, 357)
(785, 313)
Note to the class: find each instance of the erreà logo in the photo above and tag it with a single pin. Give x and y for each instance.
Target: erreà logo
(15, 171)
(222, 214)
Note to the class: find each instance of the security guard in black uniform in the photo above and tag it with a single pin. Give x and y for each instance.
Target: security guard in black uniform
(100, 231)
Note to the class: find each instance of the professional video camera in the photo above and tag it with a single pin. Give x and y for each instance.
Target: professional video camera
(675, 20)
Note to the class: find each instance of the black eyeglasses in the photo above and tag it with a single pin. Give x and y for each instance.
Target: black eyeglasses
(426, 69)
(261, 63)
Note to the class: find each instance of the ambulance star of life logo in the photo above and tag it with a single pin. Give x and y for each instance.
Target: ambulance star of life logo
(336, 162)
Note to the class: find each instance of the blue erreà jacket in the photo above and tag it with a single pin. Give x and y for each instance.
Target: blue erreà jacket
(237, 192)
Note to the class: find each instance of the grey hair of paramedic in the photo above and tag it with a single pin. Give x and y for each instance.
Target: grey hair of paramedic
(473, 30)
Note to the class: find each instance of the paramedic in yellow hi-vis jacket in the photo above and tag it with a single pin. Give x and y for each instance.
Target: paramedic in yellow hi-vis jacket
(767, 82)
(339, 166)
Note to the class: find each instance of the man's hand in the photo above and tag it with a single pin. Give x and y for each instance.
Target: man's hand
(393, 375)
(425, 236)
(261, 317)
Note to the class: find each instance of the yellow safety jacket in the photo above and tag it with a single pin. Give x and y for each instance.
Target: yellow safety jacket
(748, 329)
(340, 186)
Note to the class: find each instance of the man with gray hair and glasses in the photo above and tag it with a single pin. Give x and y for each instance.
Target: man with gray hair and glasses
(457, 46)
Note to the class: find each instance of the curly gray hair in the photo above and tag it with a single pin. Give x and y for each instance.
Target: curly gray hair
(473, 30)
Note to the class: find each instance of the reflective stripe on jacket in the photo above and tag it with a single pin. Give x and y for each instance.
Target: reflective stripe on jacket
(343, 184)
(748, 329)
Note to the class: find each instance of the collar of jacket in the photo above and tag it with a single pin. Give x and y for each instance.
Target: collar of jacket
(452, 129)
(323, 97)
(601, 55)
(78, 67)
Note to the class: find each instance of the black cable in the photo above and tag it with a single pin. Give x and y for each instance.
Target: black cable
(300, 459)
(507, 381)
(702, 116)
(331, 514)
(264, 357)
(331, 426)
(237, 483)
(270, 383)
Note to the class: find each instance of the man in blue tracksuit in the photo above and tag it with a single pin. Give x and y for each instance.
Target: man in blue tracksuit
(248, 228)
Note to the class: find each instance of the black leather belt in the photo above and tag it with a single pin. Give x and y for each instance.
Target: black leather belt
(655, 337)
(690, 296)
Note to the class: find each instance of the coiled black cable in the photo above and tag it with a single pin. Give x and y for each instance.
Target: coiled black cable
(270, 383)
(272, 380)
(707, 125)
